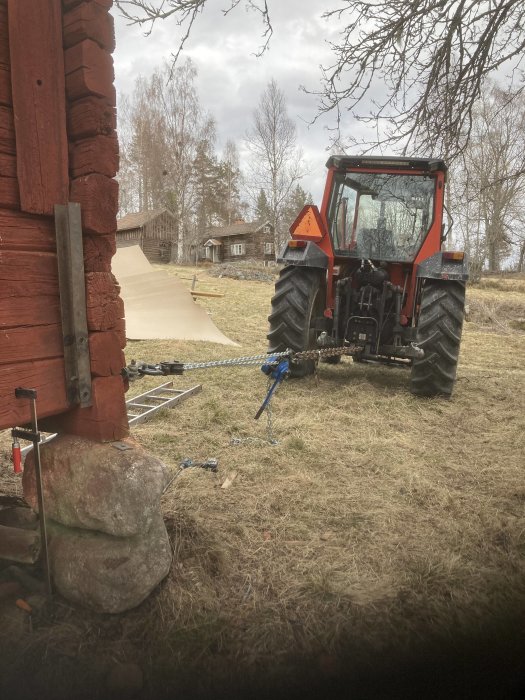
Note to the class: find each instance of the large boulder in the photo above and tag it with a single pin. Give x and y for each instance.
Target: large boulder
(97, 486)
(104, 573)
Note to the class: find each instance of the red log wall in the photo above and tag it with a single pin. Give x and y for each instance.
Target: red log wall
(58, 143)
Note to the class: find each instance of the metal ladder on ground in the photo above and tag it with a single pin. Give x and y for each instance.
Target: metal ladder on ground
(141, 408)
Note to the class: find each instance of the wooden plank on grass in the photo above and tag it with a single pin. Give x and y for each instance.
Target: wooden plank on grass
(194, 293)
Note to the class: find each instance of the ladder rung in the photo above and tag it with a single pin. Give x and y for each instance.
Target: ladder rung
(158, 400)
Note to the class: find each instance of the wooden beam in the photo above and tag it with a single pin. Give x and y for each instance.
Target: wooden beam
(120, 329)
(22, 546)
(7, 130)
(5, 72)
(89, 20)
(98, 198)
(195, 293)
(9, 193)
(98, 251)
(73, 303)
(89, 71)
(19, 516)
(4, 38)
(104, 306)
(7, 165)
(72, 3)
(27, 274)
(33, 311)
(21, 232)
(90, 117)
(6, 95)
(39, 103)
(46, 376)
(26, 344)
(98, 154)
(106, 420)
(107, 359)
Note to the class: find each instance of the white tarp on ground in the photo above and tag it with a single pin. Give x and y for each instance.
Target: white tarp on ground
(157, 305)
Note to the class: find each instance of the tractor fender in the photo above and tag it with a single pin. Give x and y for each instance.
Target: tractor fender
(309, 256)
(441, 266)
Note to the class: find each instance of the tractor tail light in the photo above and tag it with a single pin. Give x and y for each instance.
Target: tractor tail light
(453, 255)
(297, 244)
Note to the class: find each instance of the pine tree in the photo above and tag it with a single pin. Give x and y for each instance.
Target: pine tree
(262, 207)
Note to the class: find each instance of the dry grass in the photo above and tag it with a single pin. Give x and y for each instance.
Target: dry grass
(379, 521)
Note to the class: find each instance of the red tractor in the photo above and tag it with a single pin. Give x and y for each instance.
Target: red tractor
(367, 273)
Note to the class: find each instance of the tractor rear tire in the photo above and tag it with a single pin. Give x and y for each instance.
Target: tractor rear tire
(439, 329)
(298, 299)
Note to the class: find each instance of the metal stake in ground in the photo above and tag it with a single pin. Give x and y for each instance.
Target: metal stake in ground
(34, 437)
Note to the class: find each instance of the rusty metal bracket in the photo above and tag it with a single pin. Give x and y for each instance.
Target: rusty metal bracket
(70, 255)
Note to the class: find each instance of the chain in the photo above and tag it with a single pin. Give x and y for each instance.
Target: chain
(269, 431)
(270, 439)
(137, 369)
(325, 352)
(275, 356)
(235, 361)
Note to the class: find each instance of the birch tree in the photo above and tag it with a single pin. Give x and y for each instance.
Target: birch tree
(276, 166)
(488, 182)
(165, 124)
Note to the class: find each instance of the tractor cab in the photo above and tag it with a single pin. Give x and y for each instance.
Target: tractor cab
(380, 216)
(384, 209)
(367, 272)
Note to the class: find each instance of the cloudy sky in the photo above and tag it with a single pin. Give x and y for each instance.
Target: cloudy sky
(231, 78)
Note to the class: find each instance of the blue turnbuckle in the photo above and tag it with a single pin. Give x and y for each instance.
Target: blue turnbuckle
(277, 372)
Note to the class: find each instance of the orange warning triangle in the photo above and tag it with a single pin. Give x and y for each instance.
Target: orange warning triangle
(308, 226)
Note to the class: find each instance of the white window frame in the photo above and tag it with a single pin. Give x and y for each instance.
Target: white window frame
(238, 249)
(268, 248)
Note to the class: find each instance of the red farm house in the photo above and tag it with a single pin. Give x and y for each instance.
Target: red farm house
(61, 318)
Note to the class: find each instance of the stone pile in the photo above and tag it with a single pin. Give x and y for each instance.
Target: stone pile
(108, 544)
(239, 271)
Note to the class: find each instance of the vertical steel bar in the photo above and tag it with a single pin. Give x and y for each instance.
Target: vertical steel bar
(40, 496)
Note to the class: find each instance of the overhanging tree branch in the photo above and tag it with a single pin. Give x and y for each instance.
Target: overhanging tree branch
(416, 68)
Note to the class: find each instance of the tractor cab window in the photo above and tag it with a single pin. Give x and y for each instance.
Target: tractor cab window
(381, 216)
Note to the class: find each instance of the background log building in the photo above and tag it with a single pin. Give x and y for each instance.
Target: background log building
(155, 232)
(58, 144)
(239, 241)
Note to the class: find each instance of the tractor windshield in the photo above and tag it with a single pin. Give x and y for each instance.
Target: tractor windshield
(381, 216)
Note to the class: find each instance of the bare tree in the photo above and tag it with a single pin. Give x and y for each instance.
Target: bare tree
(277, 162)
(162, 126)
(488, 182)
(427, 61)
(232, 180)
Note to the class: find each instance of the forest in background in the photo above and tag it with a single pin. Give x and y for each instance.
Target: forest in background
(170, 158)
